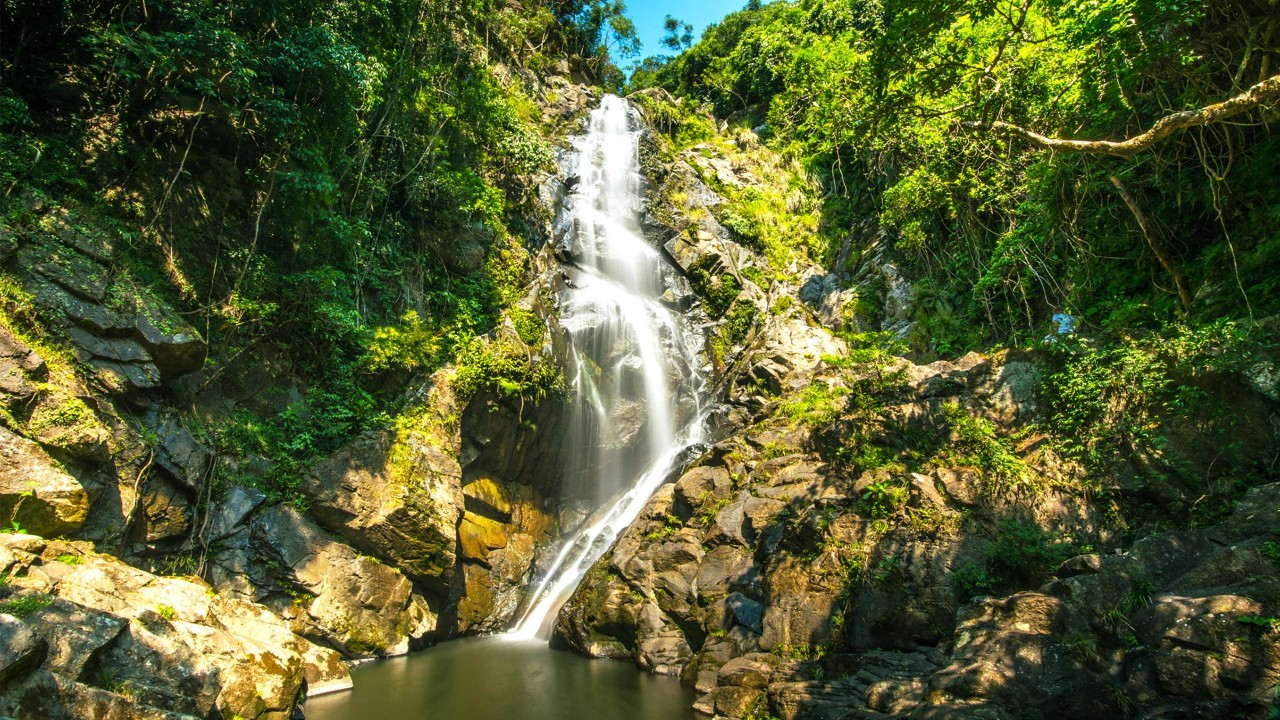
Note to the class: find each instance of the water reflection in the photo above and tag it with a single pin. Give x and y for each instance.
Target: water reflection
(501, 677)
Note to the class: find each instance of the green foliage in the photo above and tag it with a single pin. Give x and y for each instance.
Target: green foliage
(1107, 398)
(411, 345)
(878, 100)
(1272, 550)
(503, 368)
(344, 185)
(529, 326)
(975, 442)
(819, 403)
(1022, 554)
(167, 612)
(884, 498)
(26, 604)
(1270, 625)
(718, 289)
(970, 580)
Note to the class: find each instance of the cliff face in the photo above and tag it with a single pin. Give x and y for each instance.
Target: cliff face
(223, 467)
(876, 538)
(866, 536)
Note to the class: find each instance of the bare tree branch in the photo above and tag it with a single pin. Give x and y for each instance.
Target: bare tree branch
(1263, 93)
(1153, 241)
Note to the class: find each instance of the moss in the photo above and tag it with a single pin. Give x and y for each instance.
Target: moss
(819, 403)
(976, 442)
(717, 289)
(65, 417)
(25, 605)
(500, 367)
(531, 328)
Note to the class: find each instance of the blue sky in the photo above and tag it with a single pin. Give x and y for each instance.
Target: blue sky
(648, 16)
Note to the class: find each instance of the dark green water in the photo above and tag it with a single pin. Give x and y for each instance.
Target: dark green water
(499, 677)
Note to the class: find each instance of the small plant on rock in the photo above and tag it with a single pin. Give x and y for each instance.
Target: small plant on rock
(883, 499)
(24, 605)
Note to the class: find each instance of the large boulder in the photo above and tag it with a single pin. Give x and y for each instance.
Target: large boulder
(176, 347)
(119, 637)
(35, 492)
(21, 650)
(396, 495)
(332, 594)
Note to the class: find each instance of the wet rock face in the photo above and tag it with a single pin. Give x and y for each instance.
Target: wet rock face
(512, 457)
(97, 638)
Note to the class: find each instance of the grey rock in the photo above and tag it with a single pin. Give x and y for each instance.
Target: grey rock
(749, 671)
(67, 268)
(19, 366)
(230, 513)
(60, 224)
(404, 510)
(124, 378)
(183, 456)
(749, 613)
(722, 569)
(102, 319)
(175, 345)
(91, 346)
(21, 651)
(75, 634)
(324, 669)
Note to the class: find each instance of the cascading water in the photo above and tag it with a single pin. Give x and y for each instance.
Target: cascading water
(635, 378)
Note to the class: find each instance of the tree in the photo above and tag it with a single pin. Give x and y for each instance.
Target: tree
(679, 34)
(1263, 93)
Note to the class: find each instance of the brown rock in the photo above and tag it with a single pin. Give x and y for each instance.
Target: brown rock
(397, 496)
(19, 365)
(35, 492)
(352, 602)
(477, 535)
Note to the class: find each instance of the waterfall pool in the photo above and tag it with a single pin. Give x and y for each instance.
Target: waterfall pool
(503, 677)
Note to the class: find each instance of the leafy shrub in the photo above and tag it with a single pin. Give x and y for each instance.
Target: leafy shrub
(717, 289)
(509, 371)
(976, 442)
(1022, 554)
(884, 498)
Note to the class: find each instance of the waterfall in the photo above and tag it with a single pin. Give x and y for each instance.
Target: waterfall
(635, 374)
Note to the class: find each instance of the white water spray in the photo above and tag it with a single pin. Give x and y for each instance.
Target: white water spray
(636, 382)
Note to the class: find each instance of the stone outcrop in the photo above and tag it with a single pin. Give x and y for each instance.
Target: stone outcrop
(331, 594)
(121, 642)
(803, 569)
(395, 494)
(36, 494)
(132, 339)
(20, 367)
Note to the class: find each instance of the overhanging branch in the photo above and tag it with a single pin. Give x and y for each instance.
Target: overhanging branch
(1263, 93)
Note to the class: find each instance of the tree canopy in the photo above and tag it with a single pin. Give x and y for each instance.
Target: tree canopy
(947, 122)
